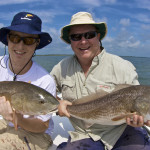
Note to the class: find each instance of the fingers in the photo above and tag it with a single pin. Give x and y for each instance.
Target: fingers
(9, 108)
(62, 108)
(5, 109)
(2, 99)
(147, 123)
(135, 121)
(3, 105)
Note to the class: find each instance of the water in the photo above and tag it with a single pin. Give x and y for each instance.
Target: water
(48, 61)
(142, 65)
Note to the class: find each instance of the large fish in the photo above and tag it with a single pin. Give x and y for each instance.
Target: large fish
(113, 108)
(27, 98)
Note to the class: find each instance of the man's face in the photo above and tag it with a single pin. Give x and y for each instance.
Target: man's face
(86, 48)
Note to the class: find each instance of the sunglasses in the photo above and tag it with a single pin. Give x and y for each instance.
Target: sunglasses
(26, 40)
(87, 35)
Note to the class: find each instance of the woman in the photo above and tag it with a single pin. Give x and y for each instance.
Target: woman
(23, 37)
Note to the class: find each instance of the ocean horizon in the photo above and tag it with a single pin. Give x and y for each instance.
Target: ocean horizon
(142, 64)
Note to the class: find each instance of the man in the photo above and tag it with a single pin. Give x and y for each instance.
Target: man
(23, 37)
(91, 69)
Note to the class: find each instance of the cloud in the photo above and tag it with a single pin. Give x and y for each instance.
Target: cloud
(8, 2)
(90, 3)
(47, 16)
(108, 39)
(143, 4)
(124, 44)
(145, 27)
(125, 22)
(1, 25)
(57, 46)
(143, 18)
(111, 1)
(127, 40)
(129, 44)
(104, 19)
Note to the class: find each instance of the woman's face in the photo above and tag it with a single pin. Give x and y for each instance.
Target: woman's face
(20, 52)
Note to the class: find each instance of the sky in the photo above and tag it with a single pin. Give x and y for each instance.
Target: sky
(128, 22)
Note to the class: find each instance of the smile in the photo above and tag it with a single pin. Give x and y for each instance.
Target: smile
(18, 52)
(82, 49)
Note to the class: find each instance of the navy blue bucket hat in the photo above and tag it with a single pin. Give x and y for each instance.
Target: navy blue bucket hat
(27, 23)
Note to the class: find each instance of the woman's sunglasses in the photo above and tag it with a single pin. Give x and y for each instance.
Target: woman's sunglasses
(26, 40)
(87, 35)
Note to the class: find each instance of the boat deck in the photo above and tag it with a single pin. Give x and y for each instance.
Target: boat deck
(61, 127)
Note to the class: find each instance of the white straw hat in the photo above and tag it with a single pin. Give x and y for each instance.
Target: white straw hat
(83, 18)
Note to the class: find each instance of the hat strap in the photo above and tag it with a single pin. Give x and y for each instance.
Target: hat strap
(3, 58)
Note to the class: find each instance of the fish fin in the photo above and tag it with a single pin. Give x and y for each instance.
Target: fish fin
(100, 93)
(91, 97)
(15, 121)
(121, 86)
(46, 123)
(87, 124)
(123, 116)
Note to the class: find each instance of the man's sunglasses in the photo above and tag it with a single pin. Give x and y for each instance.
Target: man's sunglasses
(26, 40)
(87, 35)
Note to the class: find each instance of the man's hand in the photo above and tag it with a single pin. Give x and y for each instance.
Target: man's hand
(62, 108)
(137, 121)
(147, 123)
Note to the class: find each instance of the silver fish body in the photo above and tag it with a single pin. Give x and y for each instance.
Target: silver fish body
(27, 98)
(113, 108)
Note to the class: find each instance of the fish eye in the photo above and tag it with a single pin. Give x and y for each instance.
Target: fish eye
(42, 102)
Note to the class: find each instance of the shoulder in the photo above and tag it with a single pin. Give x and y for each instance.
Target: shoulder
(38, 68)
(43, 78)
(121, 70)
(66, 61)
(118, 61)
(4, 65)
(41, 71)
(63, 64)
(4, 59)
(43, 74)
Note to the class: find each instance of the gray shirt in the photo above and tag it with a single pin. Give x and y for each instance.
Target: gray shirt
(106, 71)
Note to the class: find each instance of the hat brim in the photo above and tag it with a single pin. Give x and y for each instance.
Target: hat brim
(101, 28)
(45, 38)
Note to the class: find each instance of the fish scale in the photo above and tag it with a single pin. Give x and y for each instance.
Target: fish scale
(113, 108)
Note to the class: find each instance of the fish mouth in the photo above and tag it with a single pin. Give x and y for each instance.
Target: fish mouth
(54, 110)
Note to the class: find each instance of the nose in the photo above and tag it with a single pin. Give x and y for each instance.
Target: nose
(83, 39)
(20, 44)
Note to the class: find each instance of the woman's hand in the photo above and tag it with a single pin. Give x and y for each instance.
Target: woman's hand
(6, 109)
(62, 108)
(137, 121)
